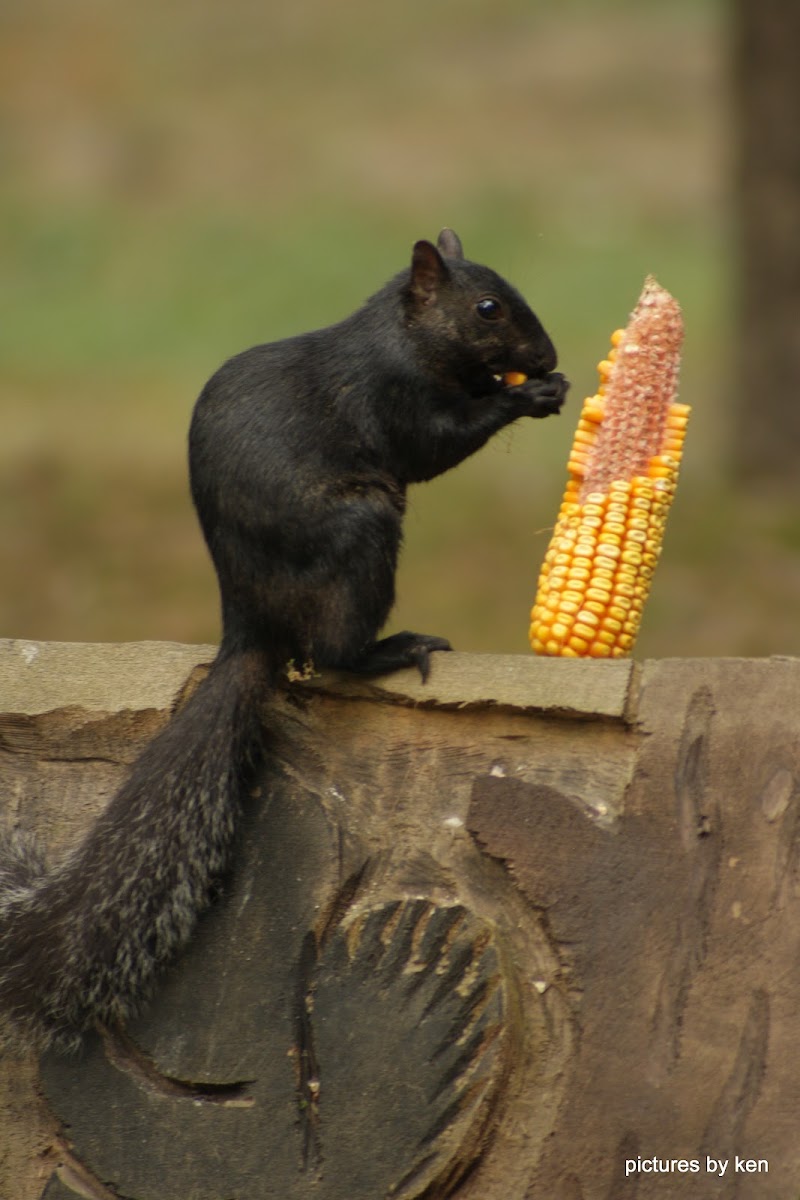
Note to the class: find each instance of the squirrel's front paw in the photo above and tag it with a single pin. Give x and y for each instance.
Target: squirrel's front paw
(545, 396)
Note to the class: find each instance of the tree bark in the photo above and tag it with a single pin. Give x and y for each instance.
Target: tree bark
(766, 86)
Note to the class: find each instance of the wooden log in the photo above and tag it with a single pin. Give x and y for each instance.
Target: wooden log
(528, 930)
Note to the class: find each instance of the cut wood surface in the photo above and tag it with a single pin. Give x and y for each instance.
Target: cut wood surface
(528, 930)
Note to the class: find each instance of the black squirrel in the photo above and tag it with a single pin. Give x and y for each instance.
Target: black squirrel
(300, 454)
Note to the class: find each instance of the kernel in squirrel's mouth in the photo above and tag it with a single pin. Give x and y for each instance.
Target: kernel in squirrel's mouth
(512, 378)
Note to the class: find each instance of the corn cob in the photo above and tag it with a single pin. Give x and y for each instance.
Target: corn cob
(622, 470)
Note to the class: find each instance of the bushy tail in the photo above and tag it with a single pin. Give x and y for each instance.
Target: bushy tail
(84, 941)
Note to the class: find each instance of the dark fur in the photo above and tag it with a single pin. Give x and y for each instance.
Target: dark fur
(300, 455)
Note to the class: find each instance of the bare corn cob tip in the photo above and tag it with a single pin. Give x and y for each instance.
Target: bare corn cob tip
(623, 470)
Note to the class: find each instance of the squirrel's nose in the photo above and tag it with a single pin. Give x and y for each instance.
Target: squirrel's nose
(541, 359)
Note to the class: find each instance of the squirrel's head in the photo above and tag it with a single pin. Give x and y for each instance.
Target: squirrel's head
(468, 320)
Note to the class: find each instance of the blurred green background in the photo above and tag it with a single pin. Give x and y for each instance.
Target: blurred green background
(180, 181)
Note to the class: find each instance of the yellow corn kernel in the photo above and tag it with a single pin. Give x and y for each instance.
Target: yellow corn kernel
(623, 468)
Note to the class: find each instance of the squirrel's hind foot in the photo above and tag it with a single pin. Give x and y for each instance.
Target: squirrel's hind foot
(400, 650)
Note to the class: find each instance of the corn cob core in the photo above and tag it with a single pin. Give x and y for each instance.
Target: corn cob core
(623, 469)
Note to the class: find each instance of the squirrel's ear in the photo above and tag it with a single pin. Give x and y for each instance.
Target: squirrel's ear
(428, 272)
(449, 243)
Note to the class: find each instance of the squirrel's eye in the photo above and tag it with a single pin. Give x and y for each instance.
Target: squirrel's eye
(489, 308)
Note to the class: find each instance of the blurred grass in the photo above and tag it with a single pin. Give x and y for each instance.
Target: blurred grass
(184, 182)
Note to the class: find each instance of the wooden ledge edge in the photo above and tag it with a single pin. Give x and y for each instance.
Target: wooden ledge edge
(108, 677)
(584, 688)
(38, 677)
